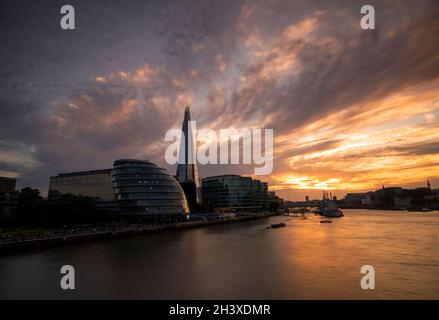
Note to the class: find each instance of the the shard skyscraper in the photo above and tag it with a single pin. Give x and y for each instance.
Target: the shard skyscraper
(187, 171)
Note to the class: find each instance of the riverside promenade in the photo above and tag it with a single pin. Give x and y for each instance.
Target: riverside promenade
(10, 242)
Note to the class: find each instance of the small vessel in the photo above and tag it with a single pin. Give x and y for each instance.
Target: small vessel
(278, 225)
(419, 209)
(325, 221)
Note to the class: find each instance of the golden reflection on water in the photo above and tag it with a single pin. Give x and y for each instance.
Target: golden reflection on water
(305, 260)
(325, 259)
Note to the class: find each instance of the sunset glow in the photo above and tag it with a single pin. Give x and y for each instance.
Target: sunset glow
(351, 110)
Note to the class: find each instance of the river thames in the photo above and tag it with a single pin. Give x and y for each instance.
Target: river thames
(305, 260)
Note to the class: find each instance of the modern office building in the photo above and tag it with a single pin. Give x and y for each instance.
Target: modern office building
(96, 184)
(8, 197)
(143, 188)
(130, 188)
(234, 193)
(187, 169)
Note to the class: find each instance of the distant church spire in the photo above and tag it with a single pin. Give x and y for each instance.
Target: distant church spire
(428, 184)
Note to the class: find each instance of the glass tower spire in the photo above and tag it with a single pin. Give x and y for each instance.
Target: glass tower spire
(187, 171)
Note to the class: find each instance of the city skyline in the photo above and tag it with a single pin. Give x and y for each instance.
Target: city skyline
(351, 110)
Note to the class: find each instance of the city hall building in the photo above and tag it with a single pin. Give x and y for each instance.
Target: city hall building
(143, 188)
(131, 187)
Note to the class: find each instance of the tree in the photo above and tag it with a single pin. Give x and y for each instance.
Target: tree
(274, 206)
(70, 208)
(30, 206)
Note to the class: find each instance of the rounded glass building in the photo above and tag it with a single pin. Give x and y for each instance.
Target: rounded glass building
(143, 188)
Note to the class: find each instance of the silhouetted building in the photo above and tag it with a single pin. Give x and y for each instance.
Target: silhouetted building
(274, 201)
(394, 198)
(7, 184)
(432, 200)
(234, 193)
(187, 170)
(8, 197)
(355, 200)
(402, 203)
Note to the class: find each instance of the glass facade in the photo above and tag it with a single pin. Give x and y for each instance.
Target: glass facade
(187, 169)
(143, 188)
(96, 184)
(131, 187)
(234, 192)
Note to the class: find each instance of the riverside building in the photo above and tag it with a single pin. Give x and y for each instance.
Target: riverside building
(96, 184)
(8, 197)
(131, 188)
(143, 188)
(234, 193)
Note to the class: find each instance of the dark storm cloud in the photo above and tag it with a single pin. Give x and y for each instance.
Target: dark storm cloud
(355, 66)
(315, 147)
(77, 100)
(419, 149)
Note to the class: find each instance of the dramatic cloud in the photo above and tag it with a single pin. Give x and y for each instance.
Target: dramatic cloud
(351, 109)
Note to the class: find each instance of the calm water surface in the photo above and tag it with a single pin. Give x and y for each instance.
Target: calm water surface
(305, 260)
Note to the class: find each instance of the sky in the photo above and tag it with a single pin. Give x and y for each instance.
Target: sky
(351, 109)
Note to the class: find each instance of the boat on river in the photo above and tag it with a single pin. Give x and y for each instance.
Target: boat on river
(329, 208)
(278, 225)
